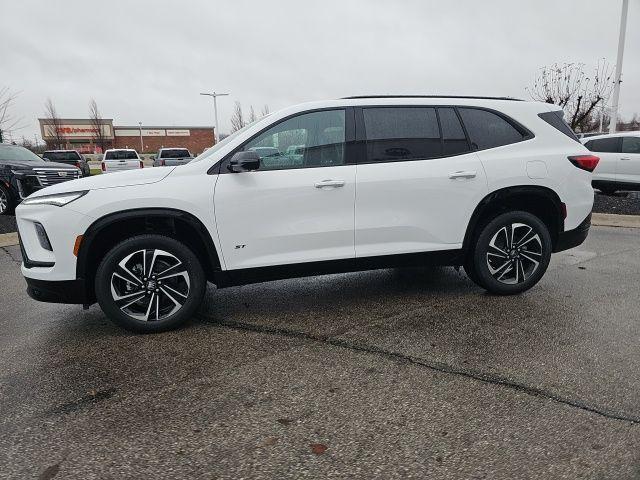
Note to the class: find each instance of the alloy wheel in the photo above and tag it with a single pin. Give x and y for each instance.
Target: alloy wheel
(4, 201)
(514, 253)
(150, 285)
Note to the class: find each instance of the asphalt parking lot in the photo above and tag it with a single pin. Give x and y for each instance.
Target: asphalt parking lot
(392, 373)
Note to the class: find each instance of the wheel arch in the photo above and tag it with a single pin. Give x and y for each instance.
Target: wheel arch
(107, 231)
(540, 201)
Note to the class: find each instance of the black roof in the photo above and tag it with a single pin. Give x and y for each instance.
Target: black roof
(355, 97)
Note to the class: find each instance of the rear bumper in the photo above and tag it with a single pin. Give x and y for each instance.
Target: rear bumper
(64, 291)
(573, 238)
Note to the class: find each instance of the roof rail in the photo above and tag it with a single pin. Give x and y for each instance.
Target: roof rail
(356, 97)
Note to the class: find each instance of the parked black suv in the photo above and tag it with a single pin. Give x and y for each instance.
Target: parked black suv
(22, 172)
(70, 157)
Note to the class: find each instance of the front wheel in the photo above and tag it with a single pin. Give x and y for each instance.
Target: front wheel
(6, 201)
(511, 254)
(150, 283)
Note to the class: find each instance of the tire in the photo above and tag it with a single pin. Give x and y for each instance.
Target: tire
(607, 190)
(514, 239)
(6, 201)
(134, 294)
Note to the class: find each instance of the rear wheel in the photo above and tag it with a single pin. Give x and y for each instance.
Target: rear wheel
(150, 283)
(6, 201)
(511, 254)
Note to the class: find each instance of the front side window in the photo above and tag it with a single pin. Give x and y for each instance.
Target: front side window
(630, 144)
(604, 145)
(401, 133)
(487, 129)
(314, 139)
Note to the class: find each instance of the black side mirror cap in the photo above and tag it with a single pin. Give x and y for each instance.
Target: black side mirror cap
(244, 162)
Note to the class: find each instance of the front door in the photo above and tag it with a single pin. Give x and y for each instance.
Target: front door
(299, 205)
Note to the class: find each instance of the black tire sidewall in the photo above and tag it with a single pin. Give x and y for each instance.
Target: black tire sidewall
(197, 280)
(10, 201)
(480, 268)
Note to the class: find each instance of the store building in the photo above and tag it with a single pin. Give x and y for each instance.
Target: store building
(84, 136)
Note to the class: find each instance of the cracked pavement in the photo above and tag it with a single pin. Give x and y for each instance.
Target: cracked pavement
(394, 373)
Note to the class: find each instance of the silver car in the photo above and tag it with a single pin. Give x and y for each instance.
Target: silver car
(170, 157)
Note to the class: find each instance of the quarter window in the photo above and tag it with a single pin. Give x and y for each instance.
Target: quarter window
(401, 133)
(453, 138)
(488, 130)
(314, 139)
(604, 145)
(630, 144)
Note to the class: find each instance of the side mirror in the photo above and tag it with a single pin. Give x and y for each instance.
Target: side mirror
(153, 157)
(244, 162)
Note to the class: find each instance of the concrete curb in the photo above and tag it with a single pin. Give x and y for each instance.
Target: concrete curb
(8, 239)
(597, 220)
(613, 220)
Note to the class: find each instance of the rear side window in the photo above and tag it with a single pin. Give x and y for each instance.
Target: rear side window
(488, 130)
(556, 120)
(604, 145)
(630, 144)
(401, 133)
(454, 140)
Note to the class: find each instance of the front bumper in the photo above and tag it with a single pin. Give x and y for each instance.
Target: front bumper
(573, 238)
(64, 291)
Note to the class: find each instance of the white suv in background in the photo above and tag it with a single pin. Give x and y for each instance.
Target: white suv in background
(494, 185)
(619, 166)
(118, 159)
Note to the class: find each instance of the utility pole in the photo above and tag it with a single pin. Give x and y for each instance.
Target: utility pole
(618, 79)
(216, 132)
(141, 144)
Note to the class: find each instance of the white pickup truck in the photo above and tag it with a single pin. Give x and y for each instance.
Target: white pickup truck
(118, 159)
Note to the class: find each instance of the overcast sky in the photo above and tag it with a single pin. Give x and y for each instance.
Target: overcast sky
(148, 60)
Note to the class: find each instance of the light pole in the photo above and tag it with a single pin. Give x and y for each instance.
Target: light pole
(216, 133)
(141, 144)
(618, 79)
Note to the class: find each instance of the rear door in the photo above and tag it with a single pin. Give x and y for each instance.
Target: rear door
(418, 181)
(629, 164)
(293, 209)
(608, 149)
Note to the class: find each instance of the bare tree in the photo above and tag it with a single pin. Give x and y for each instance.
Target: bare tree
(237, 120)
(95, 116)
(580, 96)
(54, 122)
(265, 111)
(252, 114)
(8, 123)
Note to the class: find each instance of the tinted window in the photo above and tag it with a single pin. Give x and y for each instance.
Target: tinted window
(556, 120)
(175, 153)
(604, 145)
(630, 144)
(121, 155)
(10, 152)
(488, 130)
(60, 156)
(453, 137)
(317, 138)
(401, 133)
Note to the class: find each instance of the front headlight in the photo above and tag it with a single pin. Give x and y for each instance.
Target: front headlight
(57, 199)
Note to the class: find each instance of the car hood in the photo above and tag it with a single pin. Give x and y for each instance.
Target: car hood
(17, 164)
(125, 178)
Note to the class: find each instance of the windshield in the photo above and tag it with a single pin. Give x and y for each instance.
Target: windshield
(12, 152)
(175, 153)
(210, 151)
(57, 156)
(121, 155)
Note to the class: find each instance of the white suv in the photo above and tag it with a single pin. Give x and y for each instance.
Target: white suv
(118, 159)
(619, 166)
(494, 185)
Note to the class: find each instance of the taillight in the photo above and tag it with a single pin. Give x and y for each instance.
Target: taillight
(141, 164)
(162, 162)
(103, 167)
(585, 162)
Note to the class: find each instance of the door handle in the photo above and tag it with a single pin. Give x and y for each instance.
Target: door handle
(330, 183)
(625, 158)
(462, 174)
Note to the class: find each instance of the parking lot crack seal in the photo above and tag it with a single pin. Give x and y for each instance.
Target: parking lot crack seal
(13, 259)
(436, 366)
